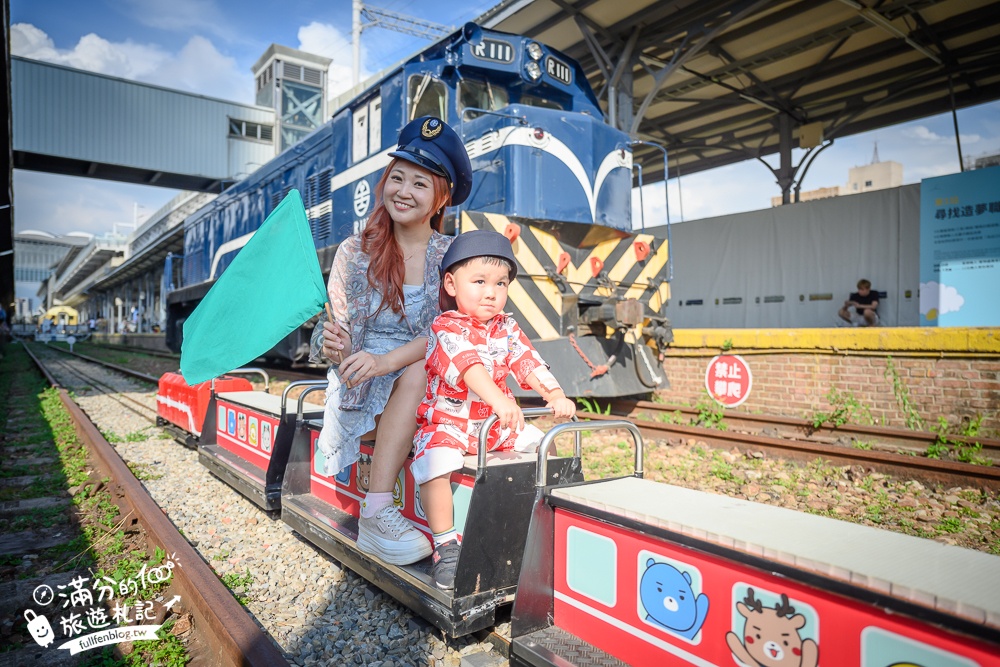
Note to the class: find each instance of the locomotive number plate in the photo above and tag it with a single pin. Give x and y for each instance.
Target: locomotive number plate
(558, 70)
(495, 50)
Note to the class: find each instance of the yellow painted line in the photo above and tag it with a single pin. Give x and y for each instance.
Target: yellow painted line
(530, 312)
(887, 339)
(528, 261)
(653, 266)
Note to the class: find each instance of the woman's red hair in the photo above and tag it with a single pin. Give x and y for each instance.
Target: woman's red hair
(386, 267)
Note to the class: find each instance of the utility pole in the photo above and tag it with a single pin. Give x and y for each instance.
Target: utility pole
(380, 18)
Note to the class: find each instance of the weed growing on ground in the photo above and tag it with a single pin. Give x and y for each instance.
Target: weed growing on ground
(911, 417)
(592, 406)
(710, 414)
(241, 582)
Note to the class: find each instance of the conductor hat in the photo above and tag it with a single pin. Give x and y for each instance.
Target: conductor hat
(479, 243)
(430, 143)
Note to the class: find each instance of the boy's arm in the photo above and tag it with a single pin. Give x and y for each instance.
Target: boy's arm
(478, 379)
(542, 381)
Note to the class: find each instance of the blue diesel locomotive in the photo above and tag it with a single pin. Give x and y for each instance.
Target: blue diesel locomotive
(549, 173)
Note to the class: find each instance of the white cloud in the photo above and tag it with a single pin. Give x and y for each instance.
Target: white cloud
(63, 204)
(200, 68)
(936, 299)
(923, 133)
(324, 39)
(197, 68)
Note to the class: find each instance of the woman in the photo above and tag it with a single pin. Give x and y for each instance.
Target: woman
(383, 290)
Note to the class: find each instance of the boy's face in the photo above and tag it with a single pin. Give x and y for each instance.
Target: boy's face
(479, 288)
(863, 291)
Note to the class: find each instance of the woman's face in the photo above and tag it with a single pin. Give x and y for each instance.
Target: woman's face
(408, 194)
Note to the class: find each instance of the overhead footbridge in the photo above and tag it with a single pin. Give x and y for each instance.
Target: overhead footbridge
(77, 123)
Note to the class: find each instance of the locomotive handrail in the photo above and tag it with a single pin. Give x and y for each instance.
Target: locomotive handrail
(528, 413)
(666, 199)
(250, 371)
(521, 119)
(310, 386)
(541, 472)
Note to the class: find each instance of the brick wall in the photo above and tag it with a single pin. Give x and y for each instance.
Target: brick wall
(796, 384)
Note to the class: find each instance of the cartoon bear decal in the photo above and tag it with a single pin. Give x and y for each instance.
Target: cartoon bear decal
(771, 636)
(364, 471)
(669, 600)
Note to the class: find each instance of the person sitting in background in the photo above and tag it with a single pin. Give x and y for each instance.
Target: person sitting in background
(864, 303)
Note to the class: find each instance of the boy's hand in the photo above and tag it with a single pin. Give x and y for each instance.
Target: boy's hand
(562, 407)
(509, 414)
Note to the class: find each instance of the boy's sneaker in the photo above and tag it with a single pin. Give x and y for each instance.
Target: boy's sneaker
(392, 538)
(444, 563)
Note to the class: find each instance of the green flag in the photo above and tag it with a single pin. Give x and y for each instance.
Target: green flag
(272, 286)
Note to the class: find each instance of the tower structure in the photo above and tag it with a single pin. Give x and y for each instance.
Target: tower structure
(294, 84)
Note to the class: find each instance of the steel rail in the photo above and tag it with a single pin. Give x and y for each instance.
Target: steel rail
(932, 470)
(232, 636)
(803, 428)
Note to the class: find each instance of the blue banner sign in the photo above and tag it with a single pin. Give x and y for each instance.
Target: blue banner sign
(960, 249)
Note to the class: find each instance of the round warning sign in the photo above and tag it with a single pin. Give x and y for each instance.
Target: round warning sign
(728, 380)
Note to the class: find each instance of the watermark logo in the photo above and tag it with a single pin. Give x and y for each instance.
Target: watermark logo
(79, 608)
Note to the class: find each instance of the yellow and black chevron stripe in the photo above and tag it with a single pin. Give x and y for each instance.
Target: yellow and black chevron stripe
(537, 300)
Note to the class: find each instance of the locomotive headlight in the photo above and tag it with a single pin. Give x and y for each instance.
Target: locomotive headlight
(535, 51)
(533, 71)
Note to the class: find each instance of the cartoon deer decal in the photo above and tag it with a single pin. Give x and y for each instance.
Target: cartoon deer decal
(771, 637)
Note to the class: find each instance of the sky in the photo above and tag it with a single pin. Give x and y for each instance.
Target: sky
(208, 47)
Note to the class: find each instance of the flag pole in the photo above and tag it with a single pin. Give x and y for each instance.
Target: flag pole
(340, 353)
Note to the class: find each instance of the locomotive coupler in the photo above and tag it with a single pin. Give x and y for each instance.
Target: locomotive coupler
(615, 314)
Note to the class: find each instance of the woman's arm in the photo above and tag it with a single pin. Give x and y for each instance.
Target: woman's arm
(363, 365)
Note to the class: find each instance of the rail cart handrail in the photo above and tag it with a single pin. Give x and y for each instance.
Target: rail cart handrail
(250, 371)
(313, 385)
(528, 413)
(541, 472)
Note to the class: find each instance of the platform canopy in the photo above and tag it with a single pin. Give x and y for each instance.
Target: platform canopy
(723, 81)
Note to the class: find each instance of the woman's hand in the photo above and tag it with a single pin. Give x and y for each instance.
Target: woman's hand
(509, 414)
(362, 366)
(562, 407)
(335, 341)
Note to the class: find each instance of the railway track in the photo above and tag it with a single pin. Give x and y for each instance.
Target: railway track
(345, 619)
(898, 452)
(886, 450)
(221, 632)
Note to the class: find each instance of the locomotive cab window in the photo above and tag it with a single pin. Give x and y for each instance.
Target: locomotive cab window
(426, 96)
(480, 95)
(367, 136)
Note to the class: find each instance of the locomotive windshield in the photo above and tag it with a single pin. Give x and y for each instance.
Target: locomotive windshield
(477, 94)
(427, 96)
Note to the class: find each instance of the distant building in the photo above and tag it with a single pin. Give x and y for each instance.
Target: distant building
(36, 254)
(293, 83)
(877, 175)
(983, 161)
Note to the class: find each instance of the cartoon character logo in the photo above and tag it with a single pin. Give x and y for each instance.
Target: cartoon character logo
(39, 628)
(364, 471)
(771, 636)
(265, 436)
(241, 429)
(669, 600)
(398, 492)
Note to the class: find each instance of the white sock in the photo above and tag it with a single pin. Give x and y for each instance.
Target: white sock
(446, 536)
(373, 502)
